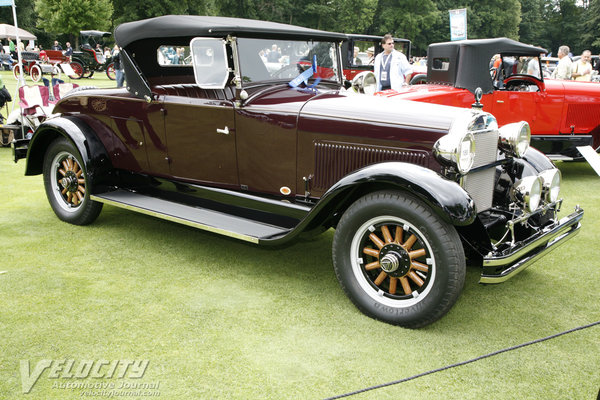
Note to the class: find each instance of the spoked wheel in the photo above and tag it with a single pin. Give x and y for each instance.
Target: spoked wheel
(88, 73)
(397, 260)
(77, 68)
(16, 72)
(36, 73)
(110, 72)
(68, 185)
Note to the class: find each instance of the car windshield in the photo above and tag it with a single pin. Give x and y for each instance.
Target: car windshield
(266, 59)
(519, 65)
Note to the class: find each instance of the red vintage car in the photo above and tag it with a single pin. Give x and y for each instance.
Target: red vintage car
(561, 114)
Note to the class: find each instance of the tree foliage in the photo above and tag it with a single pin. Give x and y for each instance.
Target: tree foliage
(71, 16)
(546, 23)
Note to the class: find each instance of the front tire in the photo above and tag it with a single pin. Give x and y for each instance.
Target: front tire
(68, 184)
(397, 260)
(36, 73)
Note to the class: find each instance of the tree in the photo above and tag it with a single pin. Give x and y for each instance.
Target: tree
(591, 35)
(531, 28)
(71, 16)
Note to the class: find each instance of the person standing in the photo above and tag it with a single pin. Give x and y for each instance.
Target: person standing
(392, 69)
(68, 50)
(563, 69)
(116, 58)
(56, 46)
(582, 69)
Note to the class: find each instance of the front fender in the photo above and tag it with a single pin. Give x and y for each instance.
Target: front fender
(446, 198)
(450, 201)
(91, 149)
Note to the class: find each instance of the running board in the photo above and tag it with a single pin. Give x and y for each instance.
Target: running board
(202, 218)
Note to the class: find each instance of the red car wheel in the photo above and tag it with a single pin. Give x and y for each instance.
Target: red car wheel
(16, 71)
(77, 69)
(36, 73)
(110, 72)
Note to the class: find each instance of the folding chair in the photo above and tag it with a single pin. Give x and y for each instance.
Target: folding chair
(61, 89)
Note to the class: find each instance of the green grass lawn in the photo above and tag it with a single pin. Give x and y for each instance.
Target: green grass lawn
(222, 319)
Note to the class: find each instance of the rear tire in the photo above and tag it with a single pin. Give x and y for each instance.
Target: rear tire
(110, 72)
(68, 185)
(77, 68)
(397, 260)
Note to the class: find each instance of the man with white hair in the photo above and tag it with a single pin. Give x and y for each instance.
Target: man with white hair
(563, 69)
(582, 69)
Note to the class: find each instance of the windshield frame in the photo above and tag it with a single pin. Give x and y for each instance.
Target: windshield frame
(244, 44)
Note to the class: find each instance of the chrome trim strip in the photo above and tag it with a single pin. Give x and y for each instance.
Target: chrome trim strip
(171, 218)
(566, 229)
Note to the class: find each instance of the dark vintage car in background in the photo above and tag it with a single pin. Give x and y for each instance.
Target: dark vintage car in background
(562, 114)
(265, 147)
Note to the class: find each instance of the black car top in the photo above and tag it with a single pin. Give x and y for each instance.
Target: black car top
(192, 26)
(465, 63)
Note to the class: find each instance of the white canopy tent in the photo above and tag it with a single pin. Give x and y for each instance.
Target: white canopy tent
(10, 31)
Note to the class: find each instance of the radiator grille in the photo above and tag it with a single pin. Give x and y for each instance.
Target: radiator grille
(334, 160)
(480, 184)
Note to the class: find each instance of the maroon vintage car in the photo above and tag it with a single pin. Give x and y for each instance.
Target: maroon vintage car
(244, 128)
(562, 114)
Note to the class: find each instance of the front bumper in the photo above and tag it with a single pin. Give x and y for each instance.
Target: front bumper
(500, 267)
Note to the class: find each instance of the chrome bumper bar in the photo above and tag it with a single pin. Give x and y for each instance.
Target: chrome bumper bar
(499, 268)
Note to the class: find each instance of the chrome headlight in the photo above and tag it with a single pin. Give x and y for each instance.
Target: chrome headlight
(456, 151)
(527, 193)
(514, 138)
(365, 82)
(551, 179)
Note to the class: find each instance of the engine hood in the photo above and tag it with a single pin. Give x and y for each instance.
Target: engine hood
(382, 111)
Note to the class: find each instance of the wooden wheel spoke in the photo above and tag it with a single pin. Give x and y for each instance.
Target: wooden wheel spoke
(69, 164)
(375, 239)
(64, 191)
(380, 278)
(75, 199)
(409, 242)
(405, 285)
(415, 278)
(65, 165)
(79, 196)
(80, 181)
(80, 189)
(78, 174)
(371, 252)
(417, 253)
(62, 171)
(398, 235)
(387, 236)
(393, 284)
(69, 197)
(373, 265)
(75, 166)
(419, 266)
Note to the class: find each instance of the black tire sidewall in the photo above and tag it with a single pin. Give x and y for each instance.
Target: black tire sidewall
(89, 210)
(442, 238)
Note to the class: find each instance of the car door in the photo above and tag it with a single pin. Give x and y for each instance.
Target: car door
(199, 119)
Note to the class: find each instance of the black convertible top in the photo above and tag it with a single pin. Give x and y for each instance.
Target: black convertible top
(469, 61)
(193, 25)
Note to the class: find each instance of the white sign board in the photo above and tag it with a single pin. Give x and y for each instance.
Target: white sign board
(66, 68)
(458, 24)
(591, 156)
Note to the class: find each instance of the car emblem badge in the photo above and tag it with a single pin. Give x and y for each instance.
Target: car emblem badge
(285, 190)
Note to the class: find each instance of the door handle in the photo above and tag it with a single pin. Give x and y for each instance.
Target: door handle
(223, 131)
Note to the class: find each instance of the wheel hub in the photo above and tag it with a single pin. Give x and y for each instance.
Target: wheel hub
(69, 181)
(394, 260)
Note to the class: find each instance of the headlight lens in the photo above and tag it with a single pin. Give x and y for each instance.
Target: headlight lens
(456, 151)
(551, 179)
(527, 192)
(365, 82)
(514, 138)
